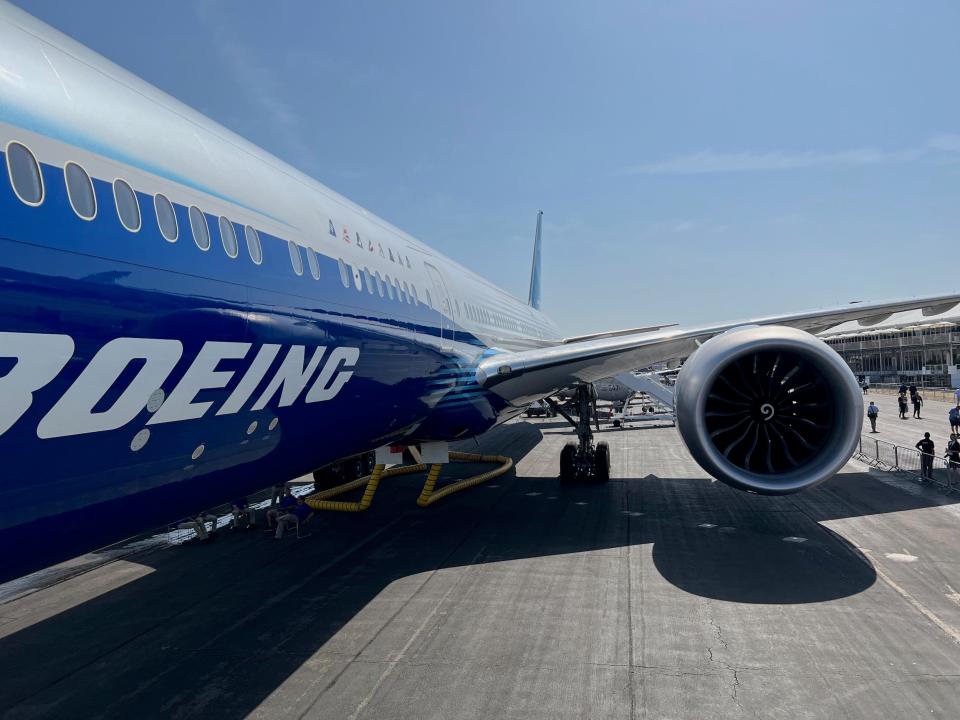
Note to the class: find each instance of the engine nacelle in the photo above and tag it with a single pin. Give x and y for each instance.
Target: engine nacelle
(768, 409)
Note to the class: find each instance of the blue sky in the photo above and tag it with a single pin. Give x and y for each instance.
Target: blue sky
(695, 161)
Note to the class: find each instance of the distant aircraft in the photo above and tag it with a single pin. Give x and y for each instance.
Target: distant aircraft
(185, 319)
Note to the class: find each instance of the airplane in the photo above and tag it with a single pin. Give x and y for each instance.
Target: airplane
(185, 319)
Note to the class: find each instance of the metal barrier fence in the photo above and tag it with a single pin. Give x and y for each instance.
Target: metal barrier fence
(888, 456)
(941, 394)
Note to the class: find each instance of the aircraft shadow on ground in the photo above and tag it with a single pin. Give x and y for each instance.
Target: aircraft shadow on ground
(244, 613)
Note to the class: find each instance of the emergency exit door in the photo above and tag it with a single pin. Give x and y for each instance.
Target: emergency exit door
(442, 305)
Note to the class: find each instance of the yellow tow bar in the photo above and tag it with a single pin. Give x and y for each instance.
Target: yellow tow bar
(321, 501)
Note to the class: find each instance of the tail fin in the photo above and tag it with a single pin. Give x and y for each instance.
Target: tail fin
(534, 298)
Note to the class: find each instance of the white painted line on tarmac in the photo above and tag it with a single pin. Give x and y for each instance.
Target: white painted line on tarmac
(947, 629)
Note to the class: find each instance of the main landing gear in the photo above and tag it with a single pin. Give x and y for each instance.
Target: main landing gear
(583, 460)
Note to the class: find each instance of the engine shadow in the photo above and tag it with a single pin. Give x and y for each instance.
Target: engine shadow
(213, 630)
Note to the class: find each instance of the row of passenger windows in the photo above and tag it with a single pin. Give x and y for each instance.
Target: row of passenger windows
(383, 285)
(480, 314)
(27, 181)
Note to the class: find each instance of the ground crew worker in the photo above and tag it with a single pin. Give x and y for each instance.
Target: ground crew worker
(917, 404)
(902, 402)
(954, 416)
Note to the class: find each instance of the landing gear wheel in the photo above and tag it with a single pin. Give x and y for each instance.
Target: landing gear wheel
(568, 471)
(601, 463)
(370, 462)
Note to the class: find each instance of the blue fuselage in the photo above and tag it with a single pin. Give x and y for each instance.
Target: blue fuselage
(152, 364)
(75, 481)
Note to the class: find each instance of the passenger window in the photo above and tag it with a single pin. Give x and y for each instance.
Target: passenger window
(127, 206)
(198, 225)
(389, 286)
(344, 273)
(166, 218)
(368, 280)
(295, 259)
(228, 237)
(80, 191)
(253, 244)
(379, 280)
(313, 263)
(24, 174)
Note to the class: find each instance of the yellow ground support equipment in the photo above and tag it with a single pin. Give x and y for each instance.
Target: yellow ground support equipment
(321, 500)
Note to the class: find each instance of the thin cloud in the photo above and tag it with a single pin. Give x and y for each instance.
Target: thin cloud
(709, 162)
(945, 143)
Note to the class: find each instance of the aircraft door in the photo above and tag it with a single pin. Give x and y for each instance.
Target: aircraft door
(442, 305)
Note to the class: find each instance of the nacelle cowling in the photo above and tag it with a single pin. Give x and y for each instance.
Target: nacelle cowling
(771, 409)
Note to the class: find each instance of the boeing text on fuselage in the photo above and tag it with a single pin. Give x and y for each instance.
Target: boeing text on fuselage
(314, 374)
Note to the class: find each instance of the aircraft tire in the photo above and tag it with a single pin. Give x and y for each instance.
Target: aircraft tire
(568, 472)
(601, 463)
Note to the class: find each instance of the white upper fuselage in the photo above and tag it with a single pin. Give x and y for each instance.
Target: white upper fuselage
(90, 110)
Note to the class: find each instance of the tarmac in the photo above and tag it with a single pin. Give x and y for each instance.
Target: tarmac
(662, 594)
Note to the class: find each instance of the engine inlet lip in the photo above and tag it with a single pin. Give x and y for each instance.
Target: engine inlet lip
(701, 371)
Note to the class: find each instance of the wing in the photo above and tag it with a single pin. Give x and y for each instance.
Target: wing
(522, 377)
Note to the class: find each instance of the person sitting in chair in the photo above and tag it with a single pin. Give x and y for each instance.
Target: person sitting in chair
(293, 519)
(198, 523)
(240, 509)
(286, 504)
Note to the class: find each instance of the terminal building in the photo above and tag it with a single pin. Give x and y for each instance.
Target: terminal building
(905, 348)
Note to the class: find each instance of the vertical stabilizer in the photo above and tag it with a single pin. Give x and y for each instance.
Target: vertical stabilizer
(534, 298)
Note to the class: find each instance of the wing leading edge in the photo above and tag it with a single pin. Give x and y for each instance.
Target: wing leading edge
(523, 377)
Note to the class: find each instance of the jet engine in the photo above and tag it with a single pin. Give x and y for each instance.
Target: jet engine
(771, 410)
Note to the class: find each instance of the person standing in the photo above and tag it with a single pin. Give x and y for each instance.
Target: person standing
(917, 404)
(954, 416)
(926, 448)
(872, 412)
(866, 384)
(903, 388)
(902, 402)
(953, 460)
